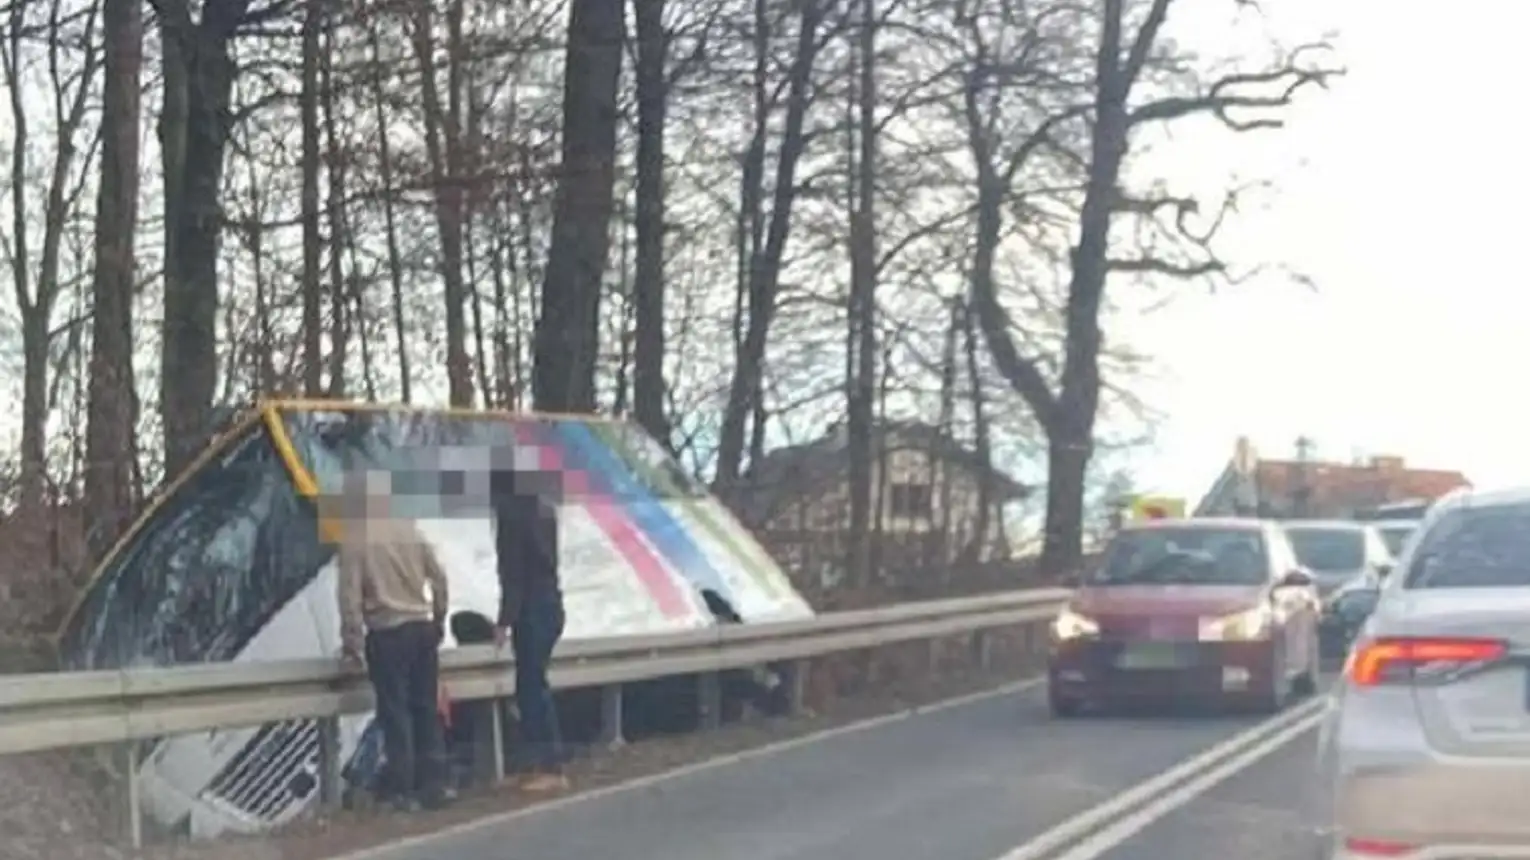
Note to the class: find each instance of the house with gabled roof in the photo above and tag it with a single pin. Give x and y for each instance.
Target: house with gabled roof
(927, 500)
(1252, 486)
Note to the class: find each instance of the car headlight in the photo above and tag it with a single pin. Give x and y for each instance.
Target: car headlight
(1242, 626)
(1071, 625)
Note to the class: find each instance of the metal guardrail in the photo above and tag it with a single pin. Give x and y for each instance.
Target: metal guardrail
(126, 707)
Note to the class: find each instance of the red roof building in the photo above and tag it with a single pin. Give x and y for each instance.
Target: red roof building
(1250, 486)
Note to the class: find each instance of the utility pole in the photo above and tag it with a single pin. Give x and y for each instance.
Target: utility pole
(1301, 490)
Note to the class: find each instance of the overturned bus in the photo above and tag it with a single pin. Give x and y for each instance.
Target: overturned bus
(230, 564)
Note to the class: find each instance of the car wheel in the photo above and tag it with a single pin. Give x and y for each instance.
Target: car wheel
(1306, 683)
(1273, 697)
(1063, 708)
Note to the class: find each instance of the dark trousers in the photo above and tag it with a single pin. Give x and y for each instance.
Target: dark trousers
(405, 668)
(532, 638)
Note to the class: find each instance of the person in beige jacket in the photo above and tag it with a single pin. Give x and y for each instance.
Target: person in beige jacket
(393, 602)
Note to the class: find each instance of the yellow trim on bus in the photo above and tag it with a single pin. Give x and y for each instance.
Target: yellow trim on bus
(216, 447)
(302, 478)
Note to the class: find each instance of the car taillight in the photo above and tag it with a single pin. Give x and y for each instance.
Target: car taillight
(1394, 659)
(1378, 847)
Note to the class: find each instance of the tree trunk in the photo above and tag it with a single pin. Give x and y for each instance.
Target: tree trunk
(648, 279)
(862, 388)
(199, 73)
(313, 350)
(566, 339)
(112, 411)
(975, 549)
(341, 288)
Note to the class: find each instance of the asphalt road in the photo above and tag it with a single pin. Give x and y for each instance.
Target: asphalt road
(991, 779)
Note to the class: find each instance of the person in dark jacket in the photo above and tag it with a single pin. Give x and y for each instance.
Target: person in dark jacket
(531, 611)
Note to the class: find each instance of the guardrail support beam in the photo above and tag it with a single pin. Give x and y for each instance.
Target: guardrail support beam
(134, 811)
(611, 716)
(709, 699)
(331, 786)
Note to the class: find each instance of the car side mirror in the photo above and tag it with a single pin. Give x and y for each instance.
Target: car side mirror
(1296, 578)
(1384, 569)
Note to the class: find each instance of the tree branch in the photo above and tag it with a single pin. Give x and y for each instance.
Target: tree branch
(1232, 93)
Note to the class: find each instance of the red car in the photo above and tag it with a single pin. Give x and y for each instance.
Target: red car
(1189, 608)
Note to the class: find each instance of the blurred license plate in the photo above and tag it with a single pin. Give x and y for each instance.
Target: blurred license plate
(1151, 655)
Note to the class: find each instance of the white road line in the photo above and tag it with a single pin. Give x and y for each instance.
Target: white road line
(400, 847)
(1277, 727)
(1129, 826)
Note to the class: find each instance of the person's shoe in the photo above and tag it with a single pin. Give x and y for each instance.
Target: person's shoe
(544, 783)
(439, 799)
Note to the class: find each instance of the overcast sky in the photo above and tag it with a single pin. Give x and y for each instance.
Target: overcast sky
(1397, 194)
(1405, 215)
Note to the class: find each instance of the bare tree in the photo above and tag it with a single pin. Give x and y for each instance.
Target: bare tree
(861, 349)
(313, 363)
(761, 239)
(567, 333)
(111, 454)
(1067, 408)
(194, 124)
(648, 277)
(72, 61)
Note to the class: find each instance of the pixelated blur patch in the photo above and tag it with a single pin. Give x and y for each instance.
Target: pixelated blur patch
(576, 482)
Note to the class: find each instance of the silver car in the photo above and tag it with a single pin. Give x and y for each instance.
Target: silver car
(1338, 551)
(1425, 748)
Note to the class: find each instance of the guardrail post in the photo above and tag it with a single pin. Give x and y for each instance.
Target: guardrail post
(982, 651)
(134, 812)
(709, 699)
(480, 732)
(1035, 638)
(796, 691)
(611, 716)
(330, 784)
(497, 738)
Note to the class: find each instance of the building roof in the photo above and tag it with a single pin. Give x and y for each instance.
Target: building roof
(1335, 485)
(1249, 484)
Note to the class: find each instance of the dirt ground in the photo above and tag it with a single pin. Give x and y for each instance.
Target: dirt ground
(54, 807)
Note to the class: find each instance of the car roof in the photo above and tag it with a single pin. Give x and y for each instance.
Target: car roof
(1472, 498)
(1335, 525)
(1244, 523)
(1395, 524)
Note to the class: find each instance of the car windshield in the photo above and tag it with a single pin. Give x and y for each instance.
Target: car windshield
(1395, 537)
(1328, 550)
(1474, 547)
(1185, 556)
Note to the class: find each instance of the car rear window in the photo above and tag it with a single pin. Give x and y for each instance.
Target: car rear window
(1198, 555)
(1474, 547)
(1328, 550)
(1396, 537)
